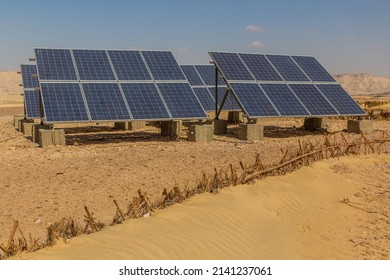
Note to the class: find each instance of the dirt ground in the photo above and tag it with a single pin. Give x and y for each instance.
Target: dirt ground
(301, 215)
(40, 186)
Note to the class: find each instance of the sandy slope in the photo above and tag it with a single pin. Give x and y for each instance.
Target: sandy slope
(297, 216)
(364, 83)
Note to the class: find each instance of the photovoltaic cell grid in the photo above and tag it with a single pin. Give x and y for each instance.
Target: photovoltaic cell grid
(295, 85)
(32, 104)
(202, 80)
(102, 75)
(31, 95)
(28, 79)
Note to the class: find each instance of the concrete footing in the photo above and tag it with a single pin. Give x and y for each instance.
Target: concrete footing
(360, 126)
(250, 132)
(51, 137)
(17, 118)
(171, 128)
(27, 128)
(130, 125)
(312, 124)
(235, 117)
(220, 127)
(35, 131)
(22, 123)
(200, 133)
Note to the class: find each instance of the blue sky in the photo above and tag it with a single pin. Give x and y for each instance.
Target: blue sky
(345, 35)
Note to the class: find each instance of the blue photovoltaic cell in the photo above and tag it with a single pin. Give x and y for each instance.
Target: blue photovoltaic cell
(191, 75)
(230, 102)
(253, 99)
(207, 73)
(55, 64)
(32, 104)
(341, 100)
(205, 98)
(144, 101)
(287, 68)
(105, 101)
(260, 67)
(63, 102)
(28, 70)
(313, 100)
(163, 66)
(129, 65)
(284, 100)
(313, 69)
(231, 66)
(93, 65)
(181, 101)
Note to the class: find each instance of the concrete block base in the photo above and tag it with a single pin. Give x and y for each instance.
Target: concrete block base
(200, 133)
(129, 125)
(360, 126)
(27, 128)
(220, 127)
(235, 117)
(312, 124)
(250, 132)
(171, 128)
(21, 124)
(51, 137)
(17, 118)
(35, 131)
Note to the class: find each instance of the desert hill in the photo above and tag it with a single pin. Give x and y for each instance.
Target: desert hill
(9, 82)
(364, 84)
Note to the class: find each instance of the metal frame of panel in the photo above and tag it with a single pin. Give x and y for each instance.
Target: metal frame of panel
(308, 81)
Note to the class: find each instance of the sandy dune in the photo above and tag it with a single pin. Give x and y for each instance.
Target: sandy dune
(297, 216)
(364, 84)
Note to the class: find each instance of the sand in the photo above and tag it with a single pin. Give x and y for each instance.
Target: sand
(296, 216)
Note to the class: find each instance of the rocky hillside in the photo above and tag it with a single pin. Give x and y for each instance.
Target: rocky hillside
(364, 84)
(9, 82)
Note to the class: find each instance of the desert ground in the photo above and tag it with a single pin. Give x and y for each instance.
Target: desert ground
(302, 215)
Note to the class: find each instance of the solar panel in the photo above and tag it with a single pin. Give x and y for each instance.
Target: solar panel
(191, 75)
(253, 100)
(260, 67)
(55, 64)
(284, 100)
(163, 66)
(144, 101)
(290, 82)
(129, 65)
(207, 73)
(93, 65)
(28, 70)
(32, 104)
(105, 102)
(340, 99)
(313, 69)
(181, 101)
(205, 98)
(287, 68)
(63, 102)
(231, 66)
(313, 100)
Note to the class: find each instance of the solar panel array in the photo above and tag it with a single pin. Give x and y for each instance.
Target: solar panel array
(31, 95)
(114, 85)
(281, 85)
(202, 80)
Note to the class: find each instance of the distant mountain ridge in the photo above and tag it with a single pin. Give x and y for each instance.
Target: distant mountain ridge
(355, 84)
(364, 83)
